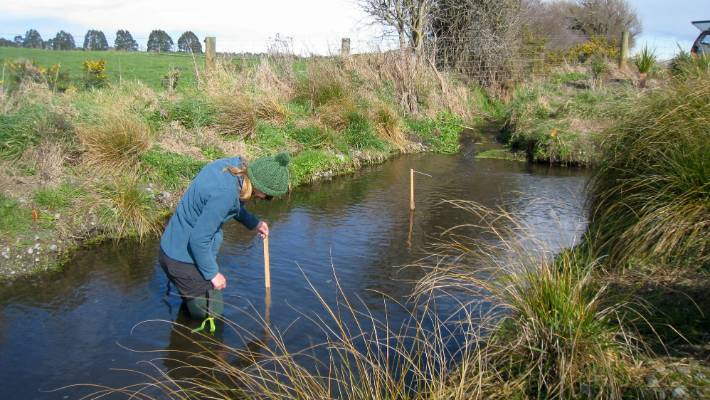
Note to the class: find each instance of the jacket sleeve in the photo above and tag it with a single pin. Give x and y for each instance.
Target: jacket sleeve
(246, 218)
(208, 224)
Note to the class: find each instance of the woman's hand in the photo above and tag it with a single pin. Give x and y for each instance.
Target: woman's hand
(262, 229)
(219, 282)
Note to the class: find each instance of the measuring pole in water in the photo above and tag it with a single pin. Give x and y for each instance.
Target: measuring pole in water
(411, 189)
(267, 269)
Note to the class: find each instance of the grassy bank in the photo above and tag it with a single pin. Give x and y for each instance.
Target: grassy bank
(560, 118)
(611, 318)
(111, 162)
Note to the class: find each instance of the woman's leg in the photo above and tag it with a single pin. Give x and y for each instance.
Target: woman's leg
(197, 292)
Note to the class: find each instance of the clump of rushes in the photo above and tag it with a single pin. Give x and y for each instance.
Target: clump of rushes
(552, 334)
(651, 193)
(125, 208)
(115, 141)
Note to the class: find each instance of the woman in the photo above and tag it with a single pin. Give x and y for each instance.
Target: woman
(191, 241)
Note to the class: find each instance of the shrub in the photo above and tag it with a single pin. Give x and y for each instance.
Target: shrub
(597, 46)
(95, 73)
(650, 196)
(115, 141)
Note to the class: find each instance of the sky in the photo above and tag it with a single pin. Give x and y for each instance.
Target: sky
(315, 26)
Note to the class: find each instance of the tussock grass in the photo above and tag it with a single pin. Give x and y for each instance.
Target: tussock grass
(115, 141)
(124, 208)
(554, 335)
(651, 193)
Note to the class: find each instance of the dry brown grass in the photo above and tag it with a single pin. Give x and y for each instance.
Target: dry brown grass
(236, 116)
(334, 114)
(389, 125)
(115, 141)
(48, 160)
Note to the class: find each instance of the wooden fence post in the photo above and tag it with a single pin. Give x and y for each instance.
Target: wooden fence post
(411, 189)
(345, 47)
(210, 53)
(624, 52)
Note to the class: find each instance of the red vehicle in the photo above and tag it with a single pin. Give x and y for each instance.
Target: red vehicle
(702, 43)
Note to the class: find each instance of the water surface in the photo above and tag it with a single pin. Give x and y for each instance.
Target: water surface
(76, 326)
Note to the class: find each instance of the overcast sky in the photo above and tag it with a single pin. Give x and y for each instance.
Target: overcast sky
(314, 25)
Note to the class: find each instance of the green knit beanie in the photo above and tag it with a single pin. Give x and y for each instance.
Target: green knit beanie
(270, 174)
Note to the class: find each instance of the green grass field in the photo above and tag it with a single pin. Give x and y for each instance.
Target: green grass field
(126, 66)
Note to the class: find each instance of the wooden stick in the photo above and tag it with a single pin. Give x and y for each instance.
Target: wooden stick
(267, 269)
(411, 189)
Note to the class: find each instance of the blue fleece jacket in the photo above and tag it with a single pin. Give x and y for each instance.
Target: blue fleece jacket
(194, 232)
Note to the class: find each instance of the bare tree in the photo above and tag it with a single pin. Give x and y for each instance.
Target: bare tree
(480, 38)
(410, 19)
(607, 18)
(551, 21)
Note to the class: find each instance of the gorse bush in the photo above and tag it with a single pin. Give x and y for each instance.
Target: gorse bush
(95, 73)
(651, 193)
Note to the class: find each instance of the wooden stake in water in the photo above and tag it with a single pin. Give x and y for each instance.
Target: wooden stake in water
(267, 269)
(411, 189)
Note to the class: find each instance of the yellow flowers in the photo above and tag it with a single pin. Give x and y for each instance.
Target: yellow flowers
(597, 45)
(95, 73)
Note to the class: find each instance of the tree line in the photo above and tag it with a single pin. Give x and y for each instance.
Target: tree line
(158, 41)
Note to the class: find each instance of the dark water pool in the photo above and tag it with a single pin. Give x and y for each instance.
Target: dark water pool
(77, 326)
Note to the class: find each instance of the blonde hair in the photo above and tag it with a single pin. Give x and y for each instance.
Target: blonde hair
(247, 188)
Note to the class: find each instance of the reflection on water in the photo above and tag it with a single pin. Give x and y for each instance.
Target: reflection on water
(69, 327)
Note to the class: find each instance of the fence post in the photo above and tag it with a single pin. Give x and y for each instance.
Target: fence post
(411, 190)
(345, 47)
(624, 53)
(210, 53)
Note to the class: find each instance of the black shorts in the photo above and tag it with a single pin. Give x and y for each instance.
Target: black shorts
(186, 277)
